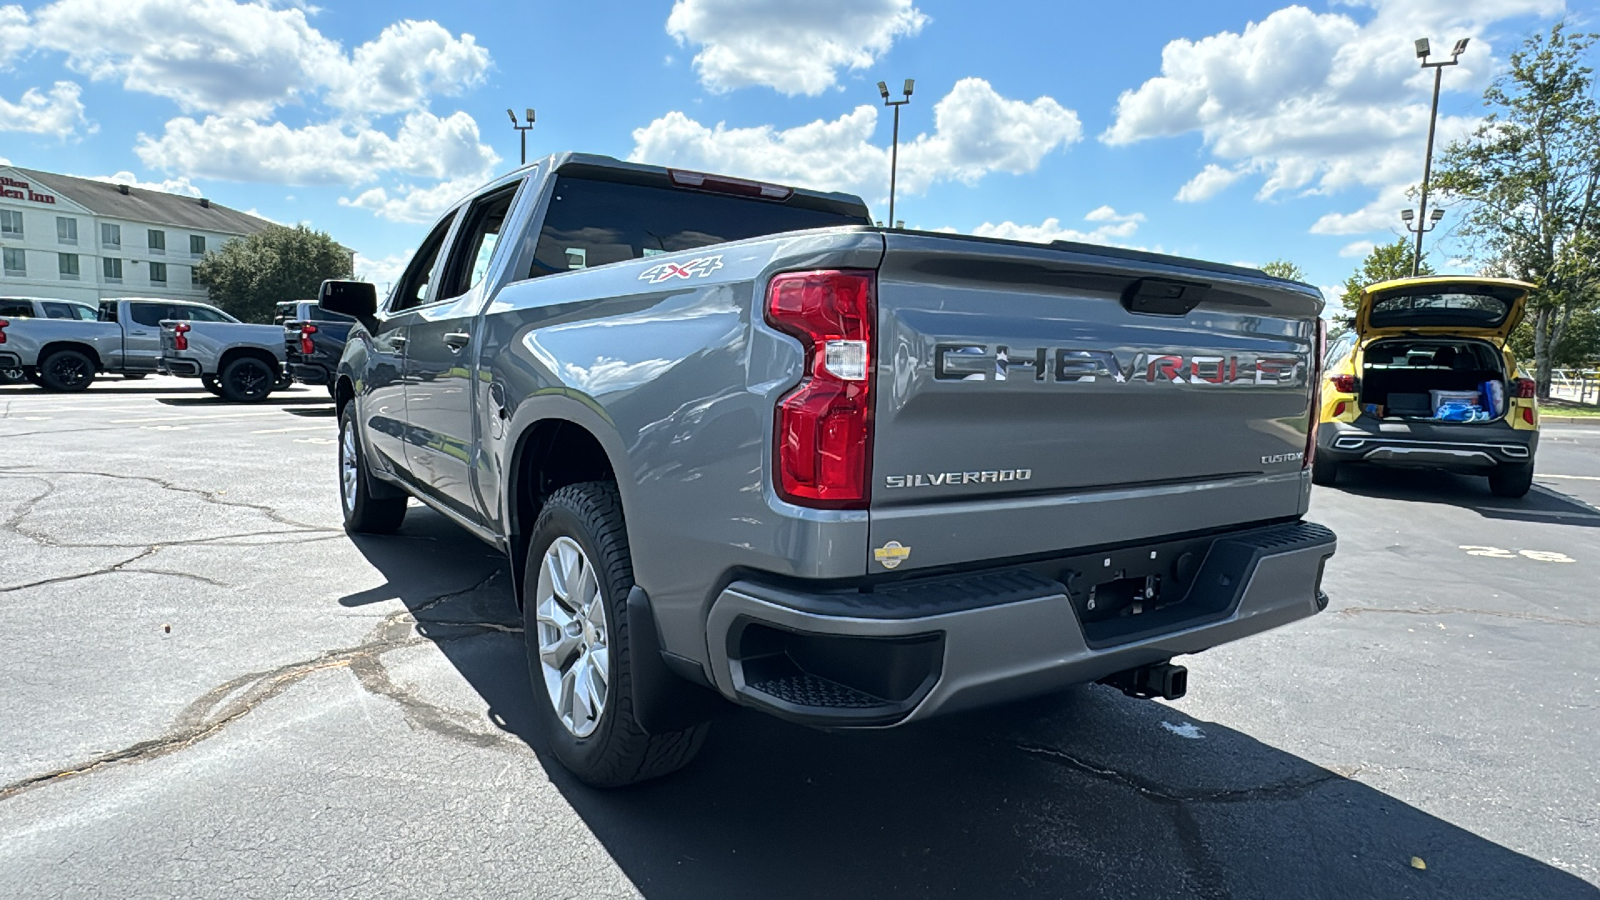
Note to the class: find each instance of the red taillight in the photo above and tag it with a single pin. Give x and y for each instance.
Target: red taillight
(1338, 409)
(181, 341)
(823, 438)
(307, 345)
(1527, 414)
(1527, 389)
(3, 324)
(1344, 384)
(1314, 415)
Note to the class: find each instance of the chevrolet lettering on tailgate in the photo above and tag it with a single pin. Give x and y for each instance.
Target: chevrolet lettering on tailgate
(978, 362)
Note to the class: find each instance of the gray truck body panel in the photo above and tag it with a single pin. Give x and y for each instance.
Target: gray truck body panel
(1155, 428)
(121, 347)
(212, 345)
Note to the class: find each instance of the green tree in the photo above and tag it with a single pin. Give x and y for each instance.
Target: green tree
(248, 275)
(1282, 268)
(1530, 176)
(1385, 263)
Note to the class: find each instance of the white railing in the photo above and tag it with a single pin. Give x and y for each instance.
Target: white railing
(1579, 386)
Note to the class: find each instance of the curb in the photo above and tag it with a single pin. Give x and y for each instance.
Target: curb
(1571, 420)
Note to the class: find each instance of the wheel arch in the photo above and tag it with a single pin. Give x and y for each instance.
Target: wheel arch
(57, 346)
(233, 353)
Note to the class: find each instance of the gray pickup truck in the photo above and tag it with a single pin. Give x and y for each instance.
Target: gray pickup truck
(38, 308)
(66, 354)
(736, 441)
(238, 361)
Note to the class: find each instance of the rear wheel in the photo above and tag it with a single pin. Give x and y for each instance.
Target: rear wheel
(1511, 481)
(66, 370)
(576, 583)
(247, 380)
(1324, 471)
(363, 513)
(209, 382)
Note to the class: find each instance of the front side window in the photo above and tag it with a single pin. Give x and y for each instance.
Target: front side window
(197, 245)
(66, 230)
(110, 235)
(69, 266)
(11, 222)
(149, 314)
(111, 267)
(15, 262)
(56, 310)
(158, 241)
(158, 273)
(412, 291)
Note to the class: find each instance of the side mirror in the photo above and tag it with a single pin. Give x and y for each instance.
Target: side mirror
(356, 299)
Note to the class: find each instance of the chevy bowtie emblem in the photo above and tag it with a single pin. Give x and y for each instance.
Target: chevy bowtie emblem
(891, 554)
(702, 267)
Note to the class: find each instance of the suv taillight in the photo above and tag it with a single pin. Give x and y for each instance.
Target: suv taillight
(307, 345)
(3, 324)
(1527, 389)
(822, 455)
(181, 339)
(1315, 418)
(1344, 384)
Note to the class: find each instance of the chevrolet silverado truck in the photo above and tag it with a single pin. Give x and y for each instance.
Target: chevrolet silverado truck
(39, 308)
(66, 354)
(738, 442)
(238, 361)
(313, 341)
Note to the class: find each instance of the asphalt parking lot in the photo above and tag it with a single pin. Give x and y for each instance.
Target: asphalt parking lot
(211, 691)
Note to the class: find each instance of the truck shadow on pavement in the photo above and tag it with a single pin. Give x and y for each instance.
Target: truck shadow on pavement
(1083, 794)
(1542, 504)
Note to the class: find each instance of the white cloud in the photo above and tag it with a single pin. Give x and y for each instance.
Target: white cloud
(1115, 228)
(13, 33)
(1208, 183)
(383, 271)
(425, 146)
(179, 185)
(408, 203)
(1356, 249)
(976, 131)
(1317, 102)
(794, 48)
(247, 59)
(58, 113)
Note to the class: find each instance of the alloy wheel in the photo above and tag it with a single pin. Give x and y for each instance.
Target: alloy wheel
(574, 653)
(349, 475)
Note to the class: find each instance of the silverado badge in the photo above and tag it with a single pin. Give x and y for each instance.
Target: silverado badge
(891, 554)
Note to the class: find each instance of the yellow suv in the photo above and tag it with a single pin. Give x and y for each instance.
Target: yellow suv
(1425, 379)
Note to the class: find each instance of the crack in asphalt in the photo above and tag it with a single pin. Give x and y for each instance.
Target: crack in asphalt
(1282, 790)
(1464, 611)
(205, 495)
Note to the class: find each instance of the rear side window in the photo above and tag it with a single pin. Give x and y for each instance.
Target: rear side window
(283, 312)
(16, 309)
(149, 314)
(108, 311)
(60, 310)
(593, 223)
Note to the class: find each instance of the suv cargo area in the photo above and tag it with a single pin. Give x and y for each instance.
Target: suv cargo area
(1441, 380)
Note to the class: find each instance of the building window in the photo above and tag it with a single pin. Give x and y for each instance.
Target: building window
(112, 269)
(11, 223)
(69, 266)
(197, 245)
(15, 263)
(66, 230)
(110, 235)
(158, 273)
(158, 241)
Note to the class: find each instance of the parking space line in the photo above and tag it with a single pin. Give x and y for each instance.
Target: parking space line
(197, 417)
(1573, 477)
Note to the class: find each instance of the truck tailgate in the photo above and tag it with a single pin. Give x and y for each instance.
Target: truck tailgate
(1033, 399)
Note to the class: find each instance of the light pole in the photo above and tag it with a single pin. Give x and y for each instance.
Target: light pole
(523, 130)
(1427, 165)
(894, 152)
(1422, 228)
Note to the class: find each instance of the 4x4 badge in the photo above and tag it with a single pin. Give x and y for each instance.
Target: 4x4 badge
(891, 554)
(703, 266)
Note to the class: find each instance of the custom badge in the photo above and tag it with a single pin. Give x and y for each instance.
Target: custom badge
(702, 267)
(891, 554)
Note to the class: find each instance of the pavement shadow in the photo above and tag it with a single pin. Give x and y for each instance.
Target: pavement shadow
(1542, 504)
(1083, 794)
(314, 412)
(211, 400)
(100, 389)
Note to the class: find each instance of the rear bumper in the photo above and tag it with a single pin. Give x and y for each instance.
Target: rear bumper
(183, 368)
(921, 648)
(10, 360)
(1455, 447)
(310, 373)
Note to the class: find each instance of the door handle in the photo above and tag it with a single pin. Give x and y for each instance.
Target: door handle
(397, 341)
(139, 333)
(455, 340)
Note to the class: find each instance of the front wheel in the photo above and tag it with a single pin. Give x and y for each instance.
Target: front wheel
(66, 370)
(363, 513)
(247, 380)
(576, 583)
(1511, 481)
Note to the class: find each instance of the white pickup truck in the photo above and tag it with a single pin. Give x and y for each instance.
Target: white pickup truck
(67, 354)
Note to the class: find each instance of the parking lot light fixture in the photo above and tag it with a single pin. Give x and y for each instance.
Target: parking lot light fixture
(1423, 50)
(894, 151)
(522, 130)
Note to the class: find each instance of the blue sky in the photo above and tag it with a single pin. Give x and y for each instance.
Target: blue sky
(1233, 131)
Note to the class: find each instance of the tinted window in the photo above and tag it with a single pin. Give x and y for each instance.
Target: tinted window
(84, 313)
(283, 312)
(475, 243)
(1423, 307)
(592, 223)
(201, 314)
(60, 310)
(149, 314)
(108, 311)
(413, 287)
(1339, 350)
(16, 309)
(318, 314)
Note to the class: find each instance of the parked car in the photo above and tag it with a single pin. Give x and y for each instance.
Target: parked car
(1426, 378)
(66, 355)
(39, 308)
(736, 441)
(313, 341)
(238, 361)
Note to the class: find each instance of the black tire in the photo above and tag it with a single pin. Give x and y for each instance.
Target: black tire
(209, 382)
(32, 376)
(247, 380)
(363, 513)
(617, 752)
(66, 370)
(133, 376)
(1511, 481)
(1324, 471)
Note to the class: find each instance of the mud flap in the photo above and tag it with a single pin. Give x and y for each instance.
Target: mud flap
(663, 702)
